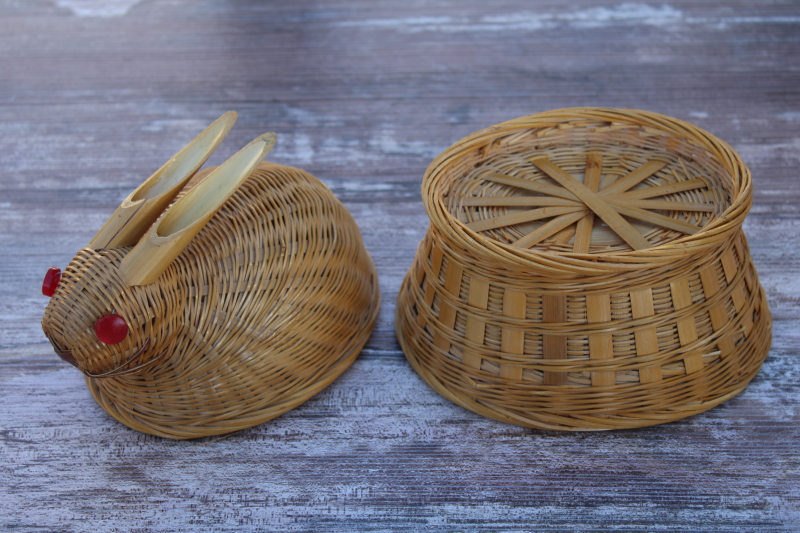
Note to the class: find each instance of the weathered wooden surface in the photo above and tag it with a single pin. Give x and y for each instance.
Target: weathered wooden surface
(94, 96)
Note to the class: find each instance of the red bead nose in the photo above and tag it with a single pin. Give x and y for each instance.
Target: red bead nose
(111, 329)
(51, 280)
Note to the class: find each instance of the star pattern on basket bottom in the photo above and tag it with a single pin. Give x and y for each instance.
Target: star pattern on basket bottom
(572, 202)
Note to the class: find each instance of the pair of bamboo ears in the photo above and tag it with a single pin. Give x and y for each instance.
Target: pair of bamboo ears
(156, 245)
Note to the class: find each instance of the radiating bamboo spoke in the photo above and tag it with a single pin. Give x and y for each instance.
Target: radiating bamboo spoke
(572, 205)
(517, 201)
(563, 236)
(664, 205)
(618, 224)
(520, 183)
(583, 233)
(661, 190)
(545, 230)
(657, 219)
(635, 177)
(519, 218)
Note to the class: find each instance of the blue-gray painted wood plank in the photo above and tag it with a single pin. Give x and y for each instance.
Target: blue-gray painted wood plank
(95, 95)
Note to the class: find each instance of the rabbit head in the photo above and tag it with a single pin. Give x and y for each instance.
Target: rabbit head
(101, 324)
(115, 308)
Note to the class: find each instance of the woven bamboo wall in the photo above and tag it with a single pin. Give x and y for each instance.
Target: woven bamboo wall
(532, 332)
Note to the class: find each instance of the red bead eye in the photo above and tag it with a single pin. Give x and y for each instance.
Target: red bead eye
(111, 329)
(51, 280)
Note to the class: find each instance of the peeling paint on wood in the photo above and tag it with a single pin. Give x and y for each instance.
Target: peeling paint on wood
(95, 95)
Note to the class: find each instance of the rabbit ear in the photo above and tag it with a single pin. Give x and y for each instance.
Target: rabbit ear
(144, 205)
(167, 238)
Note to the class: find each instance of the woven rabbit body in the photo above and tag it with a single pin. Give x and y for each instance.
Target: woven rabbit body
(219, 310)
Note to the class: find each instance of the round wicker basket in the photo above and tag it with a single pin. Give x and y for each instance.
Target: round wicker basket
(586, 269)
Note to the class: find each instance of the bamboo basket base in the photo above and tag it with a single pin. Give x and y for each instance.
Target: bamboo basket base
(583, 408)
(586, 269)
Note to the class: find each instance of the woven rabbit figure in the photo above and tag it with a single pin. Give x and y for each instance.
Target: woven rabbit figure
(219, 310)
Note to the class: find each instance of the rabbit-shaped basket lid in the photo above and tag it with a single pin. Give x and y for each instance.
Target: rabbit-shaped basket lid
(220, 309)
(586, 269)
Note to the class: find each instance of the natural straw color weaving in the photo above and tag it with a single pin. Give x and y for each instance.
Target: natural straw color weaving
(586, 269)
(269, 303)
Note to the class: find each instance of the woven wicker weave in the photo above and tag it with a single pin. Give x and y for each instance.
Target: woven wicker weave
(586, 269)
(267, 305)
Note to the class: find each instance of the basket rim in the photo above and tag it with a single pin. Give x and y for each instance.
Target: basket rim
(713, 233)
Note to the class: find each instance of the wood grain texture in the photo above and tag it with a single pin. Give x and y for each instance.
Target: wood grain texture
(94, 97)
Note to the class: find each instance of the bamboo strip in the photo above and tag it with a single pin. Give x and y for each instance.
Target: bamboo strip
(554, 310)
(583, 233)
(517, 201)
(635, 177)
(563, 236)
(717, 314)
(427, 246)
(738, 297)
(549, 228)
(536, 186)
(598, 309)
(479, 299)
(729, 266)
(430, 293)
(666, 205)
(654, 218)
(646, 338)
(513, 339)
(519, 218)
(447, 313)
(687, 328)
(436, 255)
(602, 209)
(661, 190)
